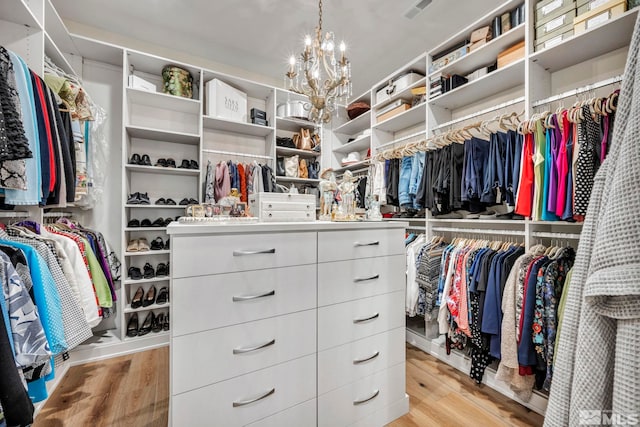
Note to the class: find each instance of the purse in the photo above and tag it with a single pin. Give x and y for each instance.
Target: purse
(304, 140)
(286, 142)
(291, 165)
(314, 169)
(303, 172)
(280, 171)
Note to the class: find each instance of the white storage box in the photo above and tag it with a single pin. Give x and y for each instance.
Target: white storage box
(136, 82)
(225, 102)
(283, 207)
(397, 86)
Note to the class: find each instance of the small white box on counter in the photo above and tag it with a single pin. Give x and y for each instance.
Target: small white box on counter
(283, 207)
(225, 101)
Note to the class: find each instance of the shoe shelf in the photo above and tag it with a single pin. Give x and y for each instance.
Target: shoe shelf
(130, 281)
(156, 206)
(359, 144)
(297, 180)
(495, 82)
(412, 117)
(360, 123)
(128, 308)
(163, 100)
(149, 252)
(284, 151)
(293, 125)
(162, 170)
(163, 135)
(149, 335)
(232, 126)
(145, 229)
(612, 35)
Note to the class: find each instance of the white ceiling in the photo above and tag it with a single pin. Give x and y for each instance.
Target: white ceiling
(259, 35)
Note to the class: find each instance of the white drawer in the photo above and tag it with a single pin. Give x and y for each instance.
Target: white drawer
(289, 206)
(287, 216)
(302, 415)
(342, 245)
(208, 302)
(348, 404)
(236, 350)
(281, 387)
(349, 280)
(342, 323)
(350, 362)
(200, 255)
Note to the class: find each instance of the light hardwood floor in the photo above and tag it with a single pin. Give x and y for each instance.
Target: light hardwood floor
(134, 391)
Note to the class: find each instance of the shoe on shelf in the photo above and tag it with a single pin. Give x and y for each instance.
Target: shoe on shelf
(134, 223)
(135, 160)
(171, 163)
(133, 246)
(158, 223)
(185, 164)
(193, 202)
(162, 270)
(163, 295)
(171, 202)
(144, 199)
(193, 165)
(132, 325)
(166, 244)
(158, 323)
(161, 162)
(145, 223)
(146, 325)
(149, 273)
(145, 161)
(161, 201)
(136, 302)
(143, 245)
(168, 221)
(165, 326)
(184, 202)
(134, 273)
(157, 244)
(134, 199)
(150, 298)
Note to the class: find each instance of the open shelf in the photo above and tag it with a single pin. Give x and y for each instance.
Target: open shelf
(295, 152)
(225, 125)
(18, 12)
(129, 281)
(413, 116)
(56, 55)
(143, 253)
(403, 94)
(145, 229)
(612, 35)
(57, 30)
(297, 180)
(147, 336)
(163, 135)
(484, 55)
(98, 51)
(353, 166)
(163, 100)
(493, 83)
(359, 144)
(162, 170)
(128, 308)
(293, 125)
(156, 206)
(363, 121)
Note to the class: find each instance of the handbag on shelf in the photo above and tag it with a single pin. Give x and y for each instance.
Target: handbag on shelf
(314, 169)
(304, 140)
(280, 171)
(291, 166)
(303, 172)
(286, 142)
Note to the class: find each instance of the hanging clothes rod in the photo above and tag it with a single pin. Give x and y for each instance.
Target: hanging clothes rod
(14, 214)
(480, 113)
(233, 153)
(560, 236)
(574, 92)
(417, 228)
(478, 231)
(404, 138)
(56, 214)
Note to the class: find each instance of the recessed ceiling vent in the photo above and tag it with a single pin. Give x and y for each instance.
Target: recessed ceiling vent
(416, 9)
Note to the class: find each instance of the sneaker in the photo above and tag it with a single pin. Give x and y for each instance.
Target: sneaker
(144, 199)
(134, 199)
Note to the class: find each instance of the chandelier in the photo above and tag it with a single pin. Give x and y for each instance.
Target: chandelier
(319, 75)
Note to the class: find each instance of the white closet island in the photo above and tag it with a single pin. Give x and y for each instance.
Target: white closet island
(287, 324)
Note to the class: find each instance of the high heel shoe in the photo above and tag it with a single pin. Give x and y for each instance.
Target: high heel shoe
(158, 323)
(163, 295)
(132, 326)
(136, 302)
(150, 298)
(146, 326)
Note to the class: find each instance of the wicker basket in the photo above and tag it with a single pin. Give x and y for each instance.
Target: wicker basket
(177, 81)
(356, 109)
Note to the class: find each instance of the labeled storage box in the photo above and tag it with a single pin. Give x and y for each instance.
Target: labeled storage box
(137, 82)
(599, 15)
(549, 9)
(387, 113)
(283, 207)
(561, 34)
(225, 102)
(397, 85)
(511, 54)
(555, 23)
(443, 59)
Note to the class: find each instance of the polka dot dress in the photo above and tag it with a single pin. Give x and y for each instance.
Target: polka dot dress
(588, 162)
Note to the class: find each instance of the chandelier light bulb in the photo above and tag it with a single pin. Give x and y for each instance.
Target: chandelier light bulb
(343, 47)
(292, 60)
(307, 40)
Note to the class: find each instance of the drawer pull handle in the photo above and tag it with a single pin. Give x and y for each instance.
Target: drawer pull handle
(254, 252)
(250, 349)
(366, 319)
(357, 244)
(359, 361)
(366, 279)
(250, 297)
(373, 396)
(246, 402)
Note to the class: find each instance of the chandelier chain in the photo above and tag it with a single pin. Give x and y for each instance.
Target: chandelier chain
(320, 15)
